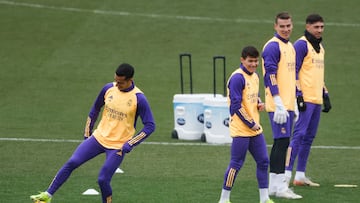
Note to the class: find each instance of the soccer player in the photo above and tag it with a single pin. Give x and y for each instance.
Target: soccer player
(245, 128)
(123, 103)
(311, 94)
(279, 80)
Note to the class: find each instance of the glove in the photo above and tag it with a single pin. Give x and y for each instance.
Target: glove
(327, 104)
(126, 148)
(296, 112)
(280, 114)
(300, 103)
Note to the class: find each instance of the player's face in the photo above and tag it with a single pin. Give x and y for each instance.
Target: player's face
(122, 83)
(316, 29)
(284, 28)
(250, 63)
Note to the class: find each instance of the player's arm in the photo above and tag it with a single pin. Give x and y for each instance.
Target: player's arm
(301, 51)
(261, 104)
(326, 98)
(145, 113)
(95, 110)
(236, 85)
(271, 58)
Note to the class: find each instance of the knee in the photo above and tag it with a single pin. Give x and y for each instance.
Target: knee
(308, 140)
(296, 139)
(103, 180)
(263, 163)
(282, 143)
(236, 164)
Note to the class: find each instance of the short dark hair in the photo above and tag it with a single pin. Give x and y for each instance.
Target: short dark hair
(282, 15)
(126, 70)
(313, 18)
(249, 51)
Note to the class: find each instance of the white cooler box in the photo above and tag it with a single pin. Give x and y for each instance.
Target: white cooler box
(216, 120)
(189, 116)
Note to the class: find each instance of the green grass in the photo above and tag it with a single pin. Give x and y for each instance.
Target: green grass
(55, 60)
(162, 173)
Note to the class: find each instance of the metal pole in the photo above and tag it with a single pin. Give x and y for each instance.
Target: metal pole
(188, 55)
(215, 58)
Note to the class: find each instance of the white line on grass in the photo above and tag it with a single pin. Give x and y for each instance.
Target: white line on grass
(160, 16)
(160, 143)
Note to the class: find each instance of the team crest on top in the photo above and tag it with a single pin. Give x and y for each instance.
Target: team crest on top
(110, 98)
(129, 102)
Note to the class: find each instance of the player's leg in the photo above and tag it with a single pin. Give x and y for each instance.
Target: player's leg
(258, 150)
(112, 162)
(281, 135)
(277, 159)
(239, 148)
(300, 129)
(277, 164)
(308, 139)
(85, 151)
(305, 146)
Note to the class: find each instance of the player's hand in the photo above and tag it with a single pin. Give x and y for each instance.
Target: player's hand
(261, 106)
(256, 127)
(300, 103)
(327, 104)
(280, 114)
(87, 134)
(126, 148)
(296, 112)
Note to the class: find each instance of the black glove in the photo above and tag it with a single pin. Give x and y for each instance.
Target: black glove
(301, 104)
(327, 104)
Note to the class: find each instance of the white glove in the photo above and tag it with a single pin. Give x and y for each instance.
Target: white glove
(280, 114)
(296, 112)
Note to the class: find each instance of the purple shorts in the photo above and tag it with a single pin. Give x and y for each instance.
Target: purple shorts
(283, 130)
